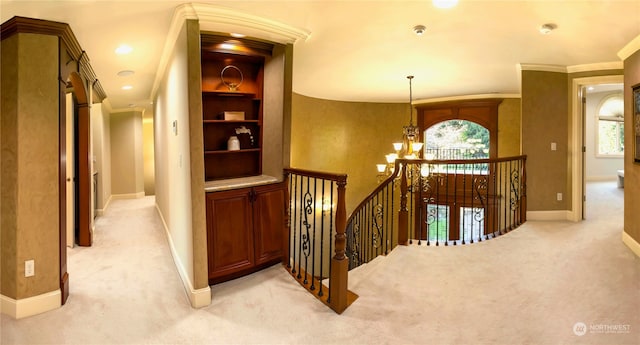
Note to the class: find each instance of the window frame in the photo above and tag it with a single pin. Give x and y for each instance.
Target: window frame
(619, 120)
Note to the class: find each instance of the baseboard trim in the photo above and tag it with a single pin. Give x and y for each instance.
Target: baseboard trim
(549, 215)
(100, 211)
(128, 196)
(198, 298)
(631, 243)
(30, 306)
(601, 178)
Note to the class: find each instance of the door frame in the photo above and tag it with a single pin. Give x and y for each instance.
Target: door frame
(576, 141)
(84, 178)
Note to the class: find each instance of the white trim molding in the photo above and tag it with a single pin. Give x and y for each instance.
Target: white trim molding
(467, 97)
(604, 66)
(630, 48)
(631, 243)
(30, 306)
(222, 19)
(198, 298)
(542, 68)
(137, 195)
(549, 215)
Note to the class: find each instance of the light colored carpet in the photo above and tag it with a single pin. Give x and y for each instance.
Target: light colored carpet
(530, 286)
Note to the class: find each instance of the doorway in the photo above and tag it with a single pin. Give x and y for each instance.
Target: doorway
(580, 140)
(81, 165)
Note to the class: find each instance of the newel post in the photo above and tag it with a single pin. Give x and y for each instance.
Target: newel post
(340, 263)
(403, 213)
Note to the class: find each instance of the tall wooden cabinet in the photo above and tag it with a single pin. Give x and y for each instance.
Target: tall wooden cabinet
(245, 218)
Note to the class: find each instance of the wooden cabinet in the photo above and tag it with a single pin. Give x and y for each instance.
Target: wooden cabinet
(245, 230)
(232, 105)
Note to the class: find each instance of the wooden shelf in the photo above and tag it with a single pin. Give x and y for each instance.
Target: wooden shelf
(217, 99)
(218, 152)
(227, 93)
(230, 121)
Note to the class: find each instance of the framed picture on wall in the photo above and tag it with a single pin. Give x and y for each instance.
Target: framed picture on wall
(636, 123)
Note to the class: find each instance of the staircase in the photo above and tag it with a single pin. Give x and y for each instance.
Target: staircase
(424, 202)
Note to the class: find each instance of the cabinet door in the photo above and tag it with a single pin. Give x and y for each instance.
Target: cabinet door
(269, 223)
(229, 232)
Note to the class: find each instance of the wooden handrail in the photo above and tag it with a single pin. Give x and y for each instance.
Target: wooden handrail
(317, 174)
(339, 297)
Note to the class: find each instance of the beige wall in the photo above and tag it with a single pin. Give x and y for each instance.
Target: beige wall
(272, 118)
(147, 156)
(545, 97)
(127, 176)
(352, 137)
(345, 137)
(631, 169)
(509, 128)
(30, 164)
(178, 156)
(101, 139)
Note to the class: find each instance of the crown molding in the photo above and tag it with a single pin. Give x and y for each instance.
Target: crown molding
(468, 97)
(221, 19)
(602, 66)
(630, 48)
(542, 68)
(17, 25)
(595, 67)
(128, 110)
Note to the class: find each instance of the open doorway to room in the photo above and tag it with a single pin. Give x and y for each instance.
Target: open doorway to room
(598, 116)
(604, 142)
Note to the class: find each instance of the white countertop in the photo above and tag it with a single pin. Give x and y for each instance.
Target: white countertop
(236, 183)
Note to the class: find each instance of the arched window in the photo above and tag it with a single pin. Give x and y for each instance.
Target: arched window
(456, 139)
(610, 133)
(469, 125)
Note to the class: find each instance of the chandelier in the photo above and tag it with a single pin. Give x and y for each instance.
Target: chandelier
(410, 146)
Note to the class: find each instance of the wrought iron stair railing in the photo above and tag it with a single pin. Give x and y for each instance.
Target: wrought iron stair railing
(438, 202)
(432, 202)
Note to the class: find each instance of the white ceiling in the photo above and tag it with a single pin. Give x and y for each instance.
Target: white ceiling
(363, 50)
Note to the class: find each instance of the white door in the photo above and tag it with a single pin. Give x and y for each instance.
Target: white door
(70, 173)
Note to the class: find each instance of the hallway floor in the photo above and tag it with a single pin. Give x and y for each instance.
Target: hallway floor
(531, 286)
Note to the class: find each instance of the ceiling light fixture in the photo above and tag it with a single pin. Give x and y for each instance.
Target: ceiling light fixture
(237, 35)
(410, 146)
(127, 87)
(125, 73)
(545, 29)
(445, 3)
(123, 49)
(419, 29)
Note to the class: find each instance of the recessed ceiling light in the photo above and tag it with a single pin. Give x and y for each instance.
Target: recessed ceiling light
(545, 29)
(123, 49)
(237, 35)
(127, 87)
(445, 3)
(125, 73)
(228, 46)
